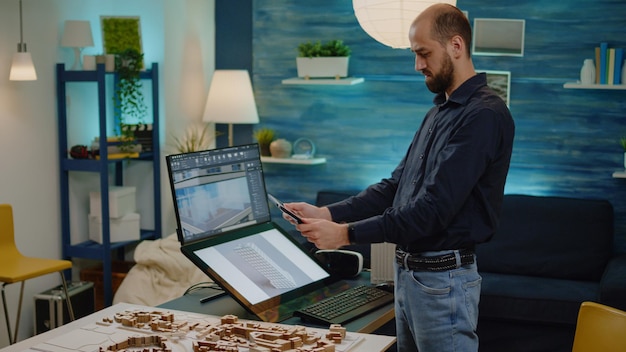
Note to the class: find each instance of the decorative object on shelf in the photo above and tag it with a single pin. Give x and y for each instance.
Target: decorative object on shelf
(317, 60)
(89, 62)
(623, 73)
(388, 21)
(265, 136)
(22, 67)
(231, 100)
(303, 148)
(280, 148)
(588, 72)
(120, 34)
(107, 60)
(128, 96)
(77, 35)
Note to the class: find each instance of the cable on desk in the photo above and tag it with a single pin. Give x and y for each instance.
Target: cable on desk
(202, 285)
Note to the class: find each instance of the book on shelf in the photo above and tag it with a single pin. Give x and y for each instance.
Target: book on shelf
(603, 60)
(609, 63)
(610, 66)
(619, 61)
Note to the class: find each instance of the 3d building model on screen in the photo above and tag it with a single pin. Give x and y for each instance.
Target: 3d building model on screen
(260, 261)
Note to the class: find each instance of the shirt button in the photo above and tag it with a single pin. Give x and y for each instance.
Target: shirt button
(421, 156)
(430, 130)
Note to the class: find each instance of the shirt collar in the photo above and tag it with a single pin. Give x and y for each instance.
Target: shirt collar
(464, 91)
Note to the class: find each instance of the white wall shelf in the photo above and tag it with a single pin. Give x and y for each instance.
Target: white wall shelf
(347, 81)
(577, 85)
(619, 174)
(312, 161)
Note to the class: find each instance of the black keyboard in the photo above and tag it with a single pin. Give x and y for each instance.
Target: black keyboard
(345, 306)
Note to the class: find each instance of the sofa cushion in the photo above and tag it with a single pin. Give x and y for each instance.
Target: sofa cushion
(555, 237)
(535, 299)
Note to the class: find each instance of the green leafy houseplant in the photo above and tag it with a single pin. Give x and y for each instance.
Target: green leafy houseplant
(265, 136)
(622, 142)
(196, 138)
(128, 96)
(331, 48)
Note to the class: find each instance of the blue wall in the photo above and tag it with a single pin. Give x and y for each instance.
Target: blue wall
(566, 141)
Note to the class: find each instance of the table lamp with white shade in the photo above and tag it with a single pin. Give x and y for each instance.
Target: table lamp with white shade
(77, 35)
(231, 100)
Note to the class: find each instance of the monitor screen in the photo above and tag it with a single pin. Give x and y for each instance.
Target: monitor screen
(217, 190)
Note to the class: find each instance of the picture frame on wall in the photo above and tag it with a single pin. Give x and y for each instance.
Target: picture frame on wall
(120, 33)
(498, 37)
(500, 82)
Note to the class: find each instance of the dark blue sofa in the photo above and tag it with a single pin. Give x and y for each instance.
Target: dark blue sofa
(548, 256)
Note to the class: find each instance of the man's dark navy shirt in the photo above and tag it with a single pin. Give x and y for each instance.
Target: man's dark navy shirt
(447, 191)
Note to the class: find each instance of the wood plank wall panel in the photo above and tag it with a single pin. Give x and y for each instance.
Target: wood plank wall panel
(566, 141)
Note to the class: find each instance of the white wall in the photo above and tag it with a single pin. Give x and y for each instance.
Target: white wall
(179, 35)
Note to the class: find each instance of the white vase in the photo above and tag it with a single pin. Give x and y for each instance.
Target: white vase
(588, 72)
(624, 160)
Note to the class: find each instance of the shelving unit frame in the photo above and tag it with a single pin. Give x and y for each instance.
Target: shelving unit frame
(90, 249)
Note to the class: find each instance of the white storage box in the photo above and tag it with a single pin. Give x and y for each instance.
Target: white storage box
(121, 229)
(122, 201)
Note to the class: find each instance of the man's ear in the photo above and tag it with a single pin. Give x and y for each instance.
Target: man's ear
(457, 46)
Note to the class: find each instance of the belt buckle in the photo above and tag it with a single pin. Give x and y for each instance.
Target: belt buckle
(405, 260)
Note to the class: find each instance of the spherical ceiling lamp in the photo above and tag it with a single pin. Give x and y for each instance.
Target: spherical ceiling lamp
(388, 21)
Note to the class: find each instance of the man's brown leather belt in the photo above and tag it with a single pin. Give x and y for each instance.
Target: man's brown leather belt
(416, 262)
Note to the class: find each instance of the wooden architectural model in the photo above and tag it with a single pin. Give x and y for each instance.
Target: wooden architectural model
(228, 335)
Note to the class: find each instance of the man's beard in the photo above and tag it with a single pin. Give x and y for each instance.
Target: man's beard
(440, 82)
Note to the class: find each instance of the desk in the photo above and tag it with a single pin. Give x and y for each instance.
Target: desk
(226, 305)
(83, 332)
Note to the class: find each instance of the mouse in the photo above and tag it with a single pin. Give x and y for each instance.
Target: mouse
(386, 286)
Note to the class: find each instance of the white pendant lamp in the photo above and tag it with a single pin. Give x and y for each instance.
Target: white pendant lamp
(388, 21)
(22, 67)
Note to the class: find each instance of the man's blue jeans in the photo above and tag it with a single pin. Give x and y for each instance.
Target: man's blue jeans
(437, 311)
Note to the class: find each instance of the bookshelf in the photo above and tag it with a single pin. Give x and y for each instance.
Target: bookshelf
(108, 167)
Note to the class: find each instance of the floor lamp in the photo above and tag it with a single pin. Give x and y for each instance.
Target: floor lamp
(231, 100)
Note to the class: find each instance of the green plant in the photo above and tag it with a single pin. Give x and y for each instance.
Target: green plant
(196, 138)
(622, 142)
(265, 136)
(128, 98)
(331, 48)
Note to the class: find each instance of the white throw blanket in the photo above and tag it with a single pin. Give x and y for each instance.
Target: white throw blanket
(161, 274)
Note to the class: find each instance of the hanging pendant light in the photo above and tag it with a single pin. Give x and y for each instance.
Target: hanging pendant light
(388, 21)
(22, 68)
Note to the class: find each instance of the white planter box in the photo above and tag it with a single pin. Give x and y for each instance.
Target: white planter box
(121, 201)
(322, 67)
(121, 229)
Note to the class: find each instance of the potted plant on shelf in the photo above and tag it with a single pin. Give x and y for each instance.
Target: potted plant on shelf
(128, 97)
(265, 136)
(317, 60)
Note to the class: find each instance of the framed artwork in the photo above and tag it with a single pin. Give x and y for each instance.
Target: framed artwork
(120, 33)
(500, 82)
(498, 37)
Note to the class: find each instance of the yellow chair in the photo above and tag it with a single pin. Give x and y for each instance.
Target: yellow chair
(15, 267)
(600, 328)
